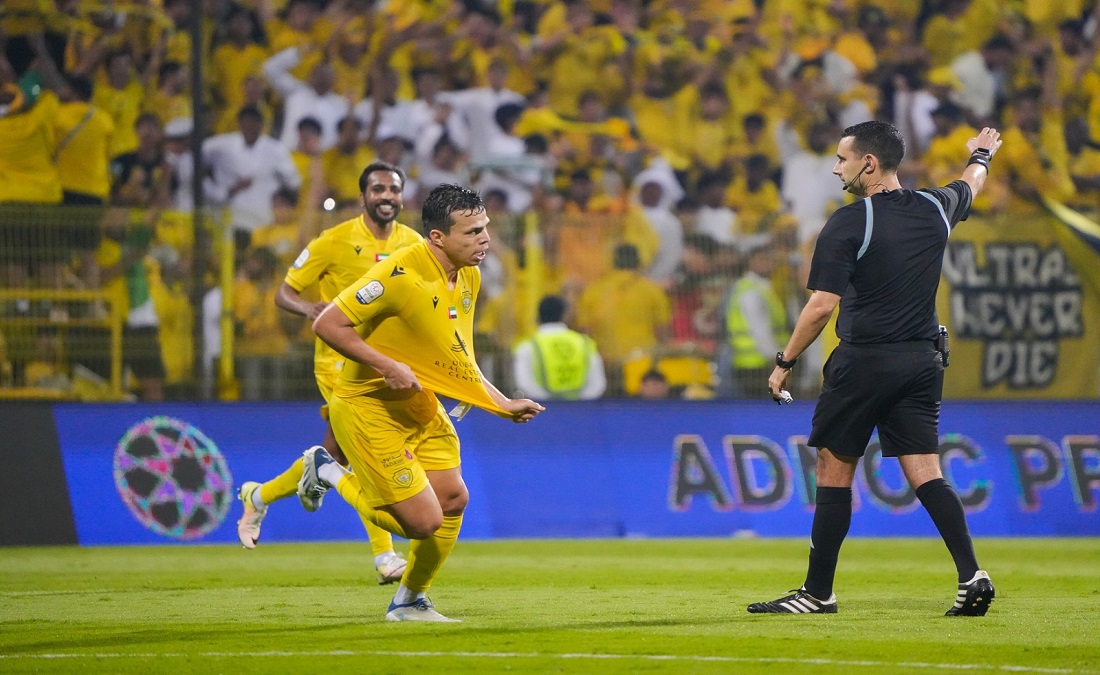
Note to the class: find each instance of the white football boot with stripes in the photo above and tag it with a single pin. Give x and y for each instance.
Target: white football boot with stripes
(799, 602)
(974, 596)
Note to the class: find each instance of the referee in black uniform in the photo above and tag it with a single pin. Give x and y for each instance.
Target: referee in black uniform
(880, 259)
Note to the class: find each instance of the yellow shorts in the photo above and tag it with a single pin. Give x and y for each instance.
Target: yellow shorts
(326, 374)
(390, 444)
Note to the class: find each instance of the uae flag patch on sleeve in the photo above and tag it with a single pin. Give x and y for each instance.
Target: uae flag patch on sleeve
(452, 312)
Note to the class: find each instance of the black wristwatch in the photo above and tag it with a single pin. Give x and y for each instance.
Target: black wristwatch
(783, 363)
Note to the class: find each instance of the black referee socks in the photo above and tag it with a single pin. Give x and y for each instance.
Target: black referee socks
(946, 509)
(832, 517)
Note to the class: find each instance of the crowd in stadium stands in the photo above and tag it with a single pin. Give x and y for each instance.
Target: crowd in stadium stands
(662, 165)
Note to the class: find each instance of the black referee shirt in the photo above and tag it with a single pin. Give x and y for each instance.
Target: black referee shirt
(883, 255)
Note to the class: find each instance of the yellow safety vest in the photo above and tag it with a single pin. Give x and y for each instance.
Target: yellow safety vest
(746, 353)
(561, 362)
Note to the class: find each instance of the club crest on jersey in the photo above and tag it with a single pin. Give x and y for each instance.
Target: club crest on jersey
(301, 259)
(379, 257)
(467, 302)
(369, 293)
(403, 478)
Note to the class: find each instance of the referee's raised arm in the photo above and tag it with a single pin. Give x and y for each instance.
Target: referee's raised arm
(982, 148)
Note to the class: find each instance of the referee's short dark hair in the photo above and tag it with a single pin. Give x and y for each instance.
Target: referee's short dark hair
(880, 139)
(379, 166)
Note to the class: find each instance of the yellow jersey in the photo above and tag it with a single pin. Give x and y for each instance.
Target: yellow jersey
(83, 163)
(406, 308)
(27, 139)
(334, 260)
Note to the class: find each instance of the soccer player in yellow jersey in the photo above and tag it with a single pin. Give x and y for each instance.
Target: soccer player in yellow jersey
(406, 328)
(334, 260)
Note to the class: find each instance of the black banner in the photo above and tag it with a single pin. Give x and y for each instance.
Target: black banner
(34, 497)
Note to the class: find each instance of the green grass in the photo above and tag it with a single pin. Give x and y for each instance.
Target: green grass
(673, 606)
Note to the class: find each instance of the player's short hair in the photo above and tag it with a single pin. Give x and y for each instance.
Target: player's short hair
(444, 201)
(379, 166)
(880, 139)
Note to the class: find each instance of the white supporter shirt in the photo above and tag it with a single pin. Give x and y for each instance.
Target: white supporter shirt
(671, 233)
(301, 101)
(266, 162)
(477, 109)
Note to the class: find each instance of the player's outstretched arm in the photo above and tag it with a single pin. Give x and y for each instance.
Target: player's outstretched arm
(982, 148)
(523, 410)
(338, 331)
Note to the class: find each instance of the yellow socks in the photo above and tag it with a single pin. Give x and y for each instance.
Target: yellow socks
(426, 556)
(284, 485)
(349, 489)
(380, 540)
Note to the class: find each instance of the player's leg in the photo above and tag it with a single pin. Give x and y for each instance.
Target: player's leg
(439, 453)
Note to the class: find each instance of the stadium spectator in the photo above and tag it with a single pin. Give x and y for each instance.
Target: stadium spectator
(558, 363)
(659, 217)
(343, 162)
(476, 109)
(170, 100)
(142, 178)
(420, 496)
(238, 58)
(756, 321)
(754, 196)
(125, 270)
(250, 167)
(984, 73)
(627, 314)
(715, 218)
(121, 95)
(654, 385)
(312, 98)
(261, 342)
(30, 237)
(82, 153)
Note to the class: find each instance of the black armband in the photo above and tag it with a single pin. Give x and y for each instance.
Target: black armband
(783, 363)
(980, 156)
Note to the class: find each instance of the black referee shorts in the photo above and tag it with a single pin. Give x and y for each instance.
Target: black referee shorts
(896, 387)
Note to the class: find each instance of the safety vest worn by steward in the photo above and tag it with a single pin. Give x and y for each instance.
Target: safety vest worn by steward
(746, 353)
(561, 362)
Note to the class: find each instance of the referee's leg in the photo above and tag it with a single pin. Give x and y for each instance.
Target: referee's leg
(942, 502)
(832, 517)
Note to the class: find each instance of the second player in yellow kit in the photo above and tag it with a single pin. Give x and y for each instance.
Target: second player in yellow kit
(335, 260)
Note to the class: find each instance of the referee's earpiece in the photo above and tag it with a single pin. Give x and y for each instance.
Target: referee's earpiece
(848, 185)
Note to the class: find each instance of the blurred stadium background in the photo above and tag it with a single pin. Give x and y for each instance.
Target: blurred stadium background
(699, 132)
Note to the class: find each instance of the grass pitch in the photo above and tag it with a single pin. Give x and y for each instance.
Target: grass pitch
(603, 606)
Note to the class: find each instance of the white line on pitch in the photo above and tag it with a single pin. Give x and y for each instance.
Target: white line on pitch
(537, 655)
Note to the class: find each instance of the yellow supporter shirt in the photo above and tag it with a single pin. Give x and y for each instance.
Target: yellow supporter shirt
(168, 107)
(27, 170)
(231, 67)
(753, 208)
(406, 309)
(124, 107)
(341, 172)
(254, 309)
(622, 312)
(335, 260)
(83, 164)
